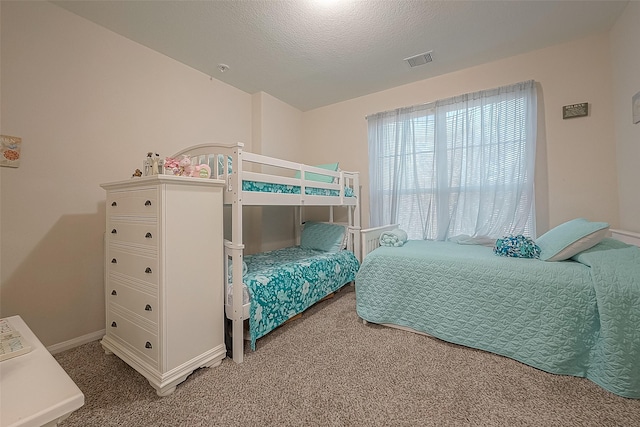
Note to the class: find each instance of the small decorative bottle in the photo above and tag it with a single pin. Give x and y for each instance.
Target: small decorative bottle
(147, 165)
(154, 165)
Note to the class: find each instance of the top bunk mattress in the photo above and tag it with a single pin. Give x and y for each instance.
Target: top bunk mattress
(263, 175)
(269, 187)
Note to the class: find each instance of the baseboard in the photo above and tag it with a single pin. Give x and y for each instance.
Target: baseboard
(68, 345)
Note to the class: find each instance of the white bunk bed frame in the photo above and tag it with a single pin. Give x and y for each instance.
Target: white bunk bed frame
(247, 166)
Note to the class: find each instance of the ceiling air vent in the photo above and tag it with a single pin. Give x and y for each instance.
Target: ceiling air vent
(421, 59)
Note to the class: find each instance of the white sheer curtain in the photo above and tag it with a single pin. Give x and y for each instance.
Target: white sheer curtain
(463, 165)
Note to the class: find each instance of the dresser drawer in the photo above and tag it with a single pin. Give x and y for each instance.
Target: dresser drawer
(139, 339)
(141, 233)
(134, 300)
(137, 266)
(135, 202)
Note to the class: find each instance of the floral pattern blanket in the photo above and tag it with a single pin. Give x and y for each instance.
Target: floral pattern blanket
(285, 282)
(269, 187)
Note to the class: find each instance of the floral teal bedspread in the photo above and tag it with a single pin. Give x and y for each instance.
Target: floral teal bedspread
(267, 187)
(285, 282)
(577, 317)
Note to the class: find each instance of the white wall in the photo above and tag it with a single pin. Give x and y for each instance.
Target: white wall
(1, 168)
(281, 128)
(576, 166)
(277, 133)
(625, 45)
(88, 105)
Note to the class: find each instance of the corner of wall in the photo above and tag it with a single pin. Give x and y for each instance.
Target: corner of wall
(624, 38)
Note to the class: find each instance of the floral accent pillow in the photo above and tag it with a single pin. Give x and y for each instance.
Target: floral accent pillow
(517, 246)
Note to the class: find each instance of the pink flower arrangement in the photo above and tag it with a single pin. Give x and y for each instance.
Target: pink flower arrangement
(182, 167)
(172, 165)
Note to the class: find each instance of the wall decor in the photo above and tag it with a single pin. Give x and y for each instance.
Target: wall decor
(10, 150)
(635, 108)
(575, 110)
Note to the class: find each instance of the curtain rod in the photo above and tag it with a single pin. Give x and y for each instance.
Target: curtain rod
(474, 95)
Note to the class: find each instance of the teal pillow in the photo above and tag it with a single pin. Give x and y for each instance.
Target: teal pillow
(318, 177)
(322, 236)
(570, 238)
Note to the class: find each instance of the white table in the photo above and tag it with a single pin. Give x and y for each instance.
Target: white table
(34, 389)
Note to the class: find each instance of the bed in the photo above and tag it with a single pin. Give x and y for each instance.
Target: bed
(280, 284)
(576, 317)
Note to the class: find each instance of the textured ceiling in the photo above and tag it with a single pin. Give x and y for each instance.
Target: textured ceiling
(311, 54)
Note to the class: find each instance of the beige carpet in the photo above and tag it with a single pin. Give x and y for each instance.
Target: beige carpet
(329, 369)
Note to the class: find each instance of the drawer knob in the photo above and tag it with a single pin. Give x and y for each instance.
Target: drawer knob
(114, 261)
(114, 325)
(147, 203)
(114, 204)
(148, 235)
(148, 345)
(113, 292)
(148, 308)
(148, 270)
(114, 231)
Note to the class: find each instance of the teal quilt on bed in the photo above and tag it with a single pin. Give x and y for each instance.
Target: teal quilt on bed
(574, 317)
(285, 282)
(268, 187)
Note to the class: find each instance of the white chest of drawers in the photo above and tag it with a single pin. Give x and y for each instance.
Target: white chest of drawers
(164, 276)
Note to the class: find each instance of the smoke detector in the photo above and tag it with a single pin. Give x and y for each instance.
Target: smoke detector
(420, 59)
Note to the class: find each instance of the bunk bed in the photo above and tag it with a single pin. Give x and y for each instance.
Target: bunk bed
(257, 180)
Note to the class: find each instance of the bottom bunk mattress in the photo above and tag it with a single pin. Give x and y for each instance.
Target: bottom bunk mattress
(285, 282)
(573, 317)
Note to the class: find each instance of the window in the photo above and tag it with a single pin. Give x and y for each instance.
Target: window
(463, 165)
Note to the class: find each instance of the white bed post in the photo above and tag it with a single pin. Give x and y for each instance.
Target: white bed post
(298, 218)
(355, 221)
(237, 255)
